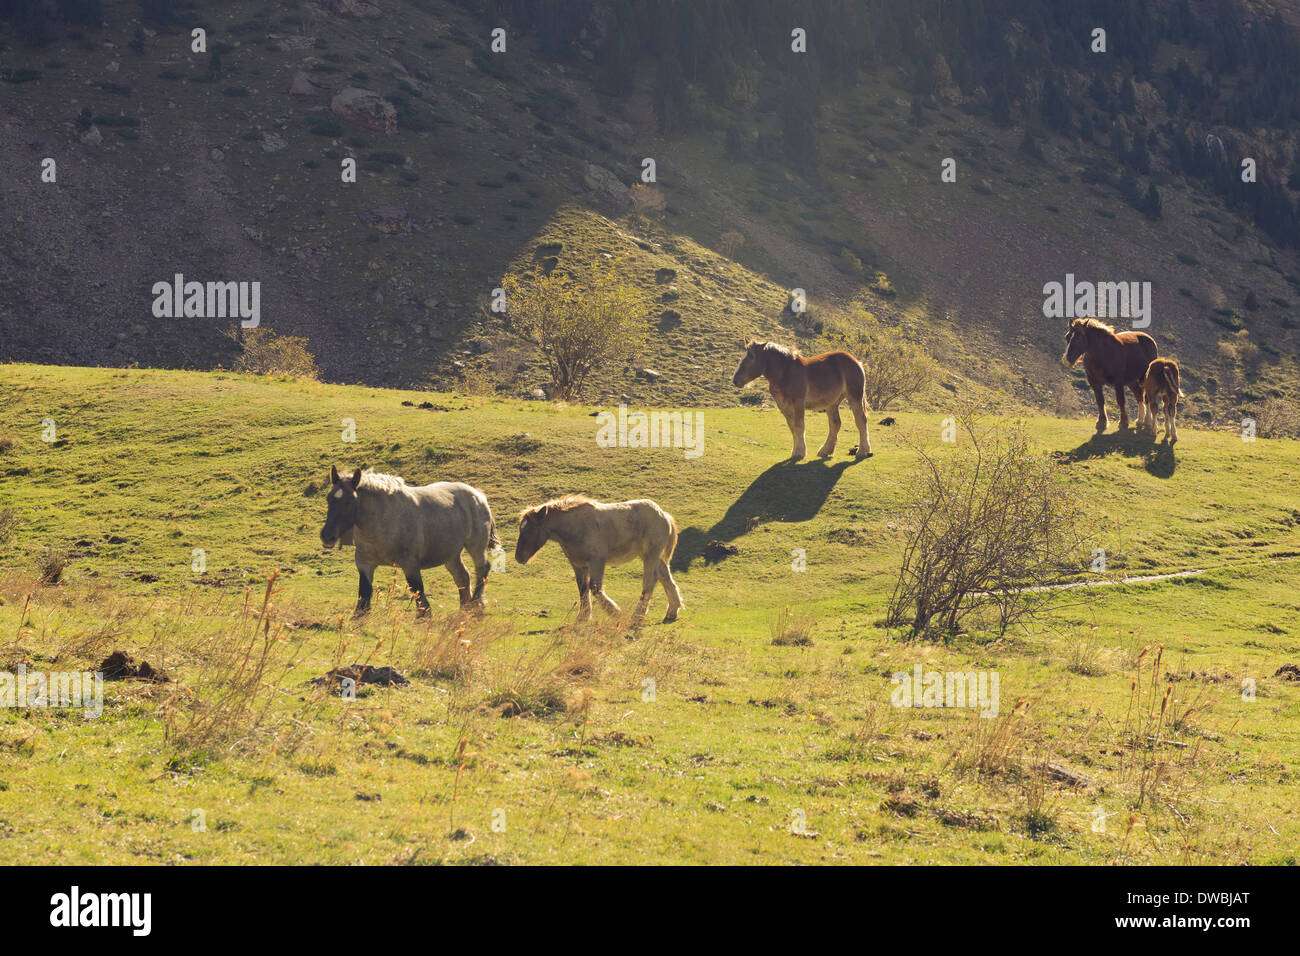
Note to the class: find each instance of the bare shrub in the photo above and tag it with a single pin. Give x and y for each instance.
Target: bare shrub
(895, 370)
(263, 352)
(1277, 418)
(988, 525)
(597, 321)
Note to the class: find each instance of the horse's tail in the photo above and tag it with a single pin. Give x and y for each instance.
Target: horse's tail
(494, 540)
(862, 380)
(671, 546)
(1174, 385)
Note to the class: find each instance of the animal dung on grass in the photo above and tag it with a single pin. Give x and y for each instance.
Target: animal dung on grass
(716, 550)
(119, 665)
(361, 674)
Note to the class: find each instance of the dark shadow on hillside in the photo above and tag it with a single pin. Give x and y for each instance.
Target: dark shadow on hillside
(1157, 457)
(787, 492)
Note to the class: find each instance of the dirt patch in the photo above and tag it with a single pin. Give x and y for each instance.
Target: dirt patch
(120, 666)
(1288, 672)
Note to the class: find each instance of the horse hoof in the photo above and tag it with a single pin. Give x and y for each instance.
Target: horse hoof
(669, 618)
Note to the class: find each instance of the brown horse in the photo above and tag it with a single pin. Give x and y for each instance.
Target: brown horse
(801, 384)
(1161, 382)
(1110, 358)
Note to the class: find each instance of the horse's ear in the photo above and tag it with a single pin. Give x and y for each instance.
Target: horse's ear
(334, 475)
(356, 479)
(543, 512)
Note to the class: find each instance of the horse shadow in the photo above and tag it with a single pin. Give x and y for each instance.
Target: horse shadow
(789, 491)
(1157, 457)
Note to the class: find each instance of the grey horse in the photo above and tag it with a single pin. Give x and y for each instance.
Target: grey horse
(394, 524)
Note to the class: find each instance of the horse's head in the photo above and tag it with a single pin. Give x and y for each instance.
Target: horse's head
(532, 533)
(341, 509)
(751, 366)
(1076, 341)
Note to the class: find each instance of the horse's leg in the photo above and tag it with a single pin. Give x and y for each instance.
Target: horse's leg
(481, 569)
(670, 588)
(1171, 417)
(583, 577)
(794, 418)
(365, 586)
(458, 574)
(415, 581)
(598, 588)
(1136, 389)
(859, 410)
(1101, 406)
(1123, 412)
(649, 577)
(832, 416)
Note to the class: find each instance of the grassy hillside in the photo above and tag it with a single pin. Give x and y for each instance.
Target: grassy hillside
(771, 698)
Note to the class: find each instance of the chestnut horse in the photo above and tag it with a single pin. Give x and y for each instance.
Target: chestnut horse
(801, 384)
(1161, 382)
(1110, 358)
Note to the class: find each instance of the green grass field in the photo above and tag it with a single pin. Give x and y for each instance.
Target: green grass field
(524, 738)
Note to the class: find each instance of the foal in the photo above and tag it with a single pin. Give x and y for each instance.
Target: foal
(592, 535)
(1161, 382)
(801, 384)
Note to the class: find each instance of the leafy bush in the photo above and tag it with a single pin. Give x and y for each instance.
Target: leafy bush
(895, 369)
(263, 352)
(580, 326)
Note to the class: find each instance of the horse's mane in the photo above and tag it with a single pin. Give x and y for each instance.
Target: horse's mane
(562, 503)
(381, 482)
(1094, 324)
(785, 350)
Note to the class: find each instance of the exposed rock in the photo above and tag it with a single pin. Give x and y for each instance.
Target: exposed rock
(290, 43)
(367, 109)
(392, 220)
(357, 9)
(649, 374)
(272, 142)
(1066, 774)
(92, 136)
(605, 185)
(304, 84)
